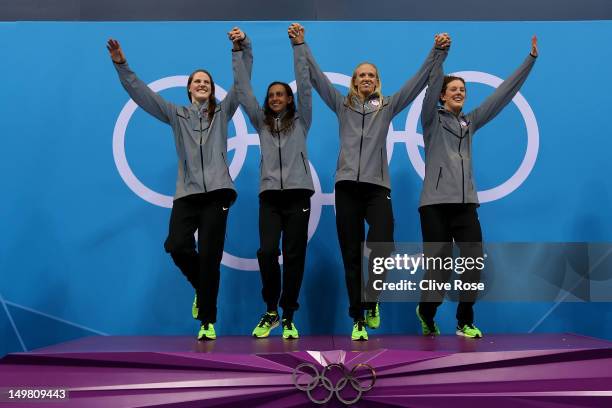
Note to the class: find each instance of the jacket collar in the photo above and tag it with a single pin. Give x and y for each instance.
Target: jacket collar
(372, 103)
(200, 108)
(461, 115)
(280, 115)
(356, 101)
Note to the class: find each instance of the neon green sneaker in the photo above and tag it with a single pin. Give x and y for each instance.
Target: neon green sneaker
(289, 330)
(207, 332)
(373, 318)
(359, 331)
(269, 320)
(194, 308)
(469, 330)
(426, 329)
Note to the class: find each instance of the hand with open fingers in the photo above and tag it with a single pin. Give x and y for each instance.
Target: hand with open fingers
(115, 51)
(534, 46)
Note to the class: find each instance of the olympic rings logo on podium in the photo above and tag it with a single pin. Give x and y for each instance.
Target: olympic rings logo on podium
(241, 142)
(321, 380)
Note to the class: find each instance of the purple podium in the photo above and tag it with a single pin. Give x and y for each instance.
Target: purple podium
(536, 370)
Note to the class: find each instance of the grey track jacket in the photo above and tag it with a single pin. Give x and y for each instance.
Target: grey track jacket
(284, 161)
(448, 138)
(201, 146)
(363, 126)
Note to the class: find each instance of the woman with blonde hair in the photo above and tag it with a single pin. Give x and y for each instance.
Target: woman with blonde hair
(362, 185)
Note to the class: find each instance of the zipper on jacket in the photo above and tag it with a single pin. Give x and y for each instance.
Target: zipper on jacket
(439, 176)
(304, 161)
(460, 155)
(361, 141)
(280, 159)
(202, 156)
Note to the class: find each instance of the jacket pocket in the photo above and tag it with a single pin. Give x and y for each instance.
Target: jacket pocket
(439, 177)
(304, 163)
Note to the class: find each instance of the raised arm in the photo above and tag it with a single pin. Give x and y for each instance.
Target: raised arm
(244, 90)
(434, 83)
(330, 95)
(302, 76)
(144, 96)
(411, 88)
(505, 92)
(241, 43)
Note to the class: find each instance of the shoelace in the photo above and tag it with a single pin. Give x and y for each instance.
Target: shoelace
(266, 318)
(287, 324)
(360, 325)
(372, 312)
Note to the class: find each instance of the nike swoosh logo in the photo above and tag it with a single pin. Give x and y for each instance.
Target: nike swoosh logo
(225, 208)
(388, 198)
(305, 209)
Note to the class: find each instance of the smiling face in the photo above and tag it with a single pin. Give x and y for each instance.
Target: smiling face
(453, 95)
(277, 98)
(365, 80)
(200, 87)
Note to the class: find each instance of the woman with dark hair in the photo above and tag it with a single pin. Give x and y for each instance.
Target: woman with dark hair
(363, 188)
(285, 188)
(204, 187)
(449, 197)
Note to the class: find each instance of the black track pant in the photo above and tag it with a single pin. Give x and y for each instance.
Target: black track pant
(283, 212)
(206, 213)
(440, 225)
(355, 203)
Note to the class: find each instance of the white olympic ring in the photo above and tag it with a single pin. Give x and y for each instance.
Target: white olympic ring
(243, 140)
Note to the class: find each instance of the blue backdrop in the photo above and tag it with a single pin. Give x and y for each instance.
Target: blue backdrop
(81, 250)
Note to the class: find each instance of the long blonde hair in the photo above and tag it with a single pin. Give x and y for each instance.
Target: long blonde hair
(353, 89)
